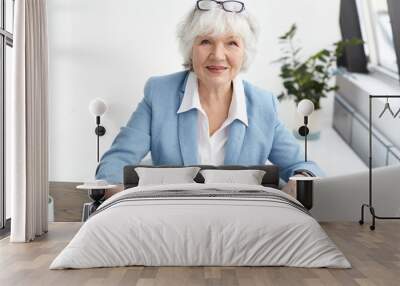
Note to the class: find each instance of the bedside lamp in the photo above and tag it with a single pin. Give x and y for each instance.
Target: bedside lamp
(97, 108)
(304, 185)
(305, 108)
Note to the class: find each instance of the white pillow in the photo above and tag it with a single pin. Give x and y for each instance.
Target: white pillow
(249, 177)
(163, 176)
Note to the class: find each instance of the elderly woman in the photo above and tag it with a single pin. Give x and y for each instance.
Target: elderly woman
(207, 114)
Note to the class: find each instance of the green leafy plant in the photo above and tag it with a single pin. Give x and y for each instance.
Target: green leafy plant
(309, 79)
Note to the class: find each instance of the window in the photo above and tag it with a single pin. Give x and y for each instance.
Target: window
(6, 43)
(376, 26)
(384, 45)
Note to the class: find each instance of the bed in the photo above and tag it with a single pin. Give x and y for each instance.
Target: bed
(201, 224)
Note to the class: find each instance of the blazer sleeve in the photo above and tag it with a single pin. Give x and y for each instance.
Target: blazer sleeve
(131, 144)
(286, 151)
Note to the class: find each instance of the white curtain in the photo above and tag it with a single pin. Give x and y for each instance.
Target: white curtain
(27, 160)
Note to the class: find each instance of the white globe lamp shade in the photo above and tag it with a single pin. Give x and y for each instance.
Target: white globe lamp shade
(97, 107)
(305, 107)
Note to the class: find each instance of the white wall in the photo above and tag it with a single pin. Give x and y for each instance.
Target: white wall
(108, 49)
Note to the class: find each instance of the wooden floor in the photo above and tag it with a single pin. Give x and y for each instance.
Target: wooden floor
(68, 201)
(375, 257)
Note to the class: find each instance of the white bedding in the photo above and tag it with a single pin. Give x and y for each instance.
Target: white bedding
(200, 231)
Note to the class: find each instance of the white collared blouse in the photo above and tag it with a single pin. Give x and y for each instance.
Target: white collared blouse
(211, 149)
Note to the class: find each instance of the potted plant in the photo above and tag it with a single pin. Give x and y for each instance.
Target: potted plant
(311, 78)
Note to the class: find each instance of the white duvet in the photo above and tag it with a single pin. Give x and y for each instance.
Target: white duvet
(200, 231)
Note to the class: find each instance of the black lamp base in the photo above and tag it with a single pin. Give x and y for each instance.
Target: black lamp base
(303, 130)
(100, 130)
(304, 189)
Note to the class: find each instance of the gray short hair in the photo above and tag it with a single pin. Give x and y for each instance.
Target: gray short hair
(217, 22)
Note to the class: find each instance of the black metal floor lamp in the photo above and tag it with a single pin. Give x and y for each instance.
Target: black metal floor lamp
(370, 203)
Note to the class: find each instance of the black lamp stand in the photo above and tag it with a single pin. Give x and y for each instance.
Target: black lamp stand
(100, 131)
(303, 131)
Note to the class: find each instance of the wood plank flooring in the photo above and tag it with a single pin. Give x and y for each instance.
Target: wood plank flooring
(68, 201)
(375, 257)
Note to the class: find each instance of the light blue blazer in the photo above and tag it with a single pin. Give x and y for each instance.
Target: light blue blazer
(171, 138)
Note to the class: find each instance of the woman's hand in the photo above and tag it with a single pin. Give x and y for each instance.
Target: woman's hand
(113, 191)
(290, 187)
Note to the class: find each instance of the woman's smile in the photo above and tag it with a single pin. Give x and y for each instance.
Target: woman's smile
(216, 69)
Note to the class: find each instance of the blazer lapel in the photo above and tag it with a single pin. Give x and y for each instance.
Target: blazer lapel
(187, 131)
(237, 130)
(187, 122)
(236, 133)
